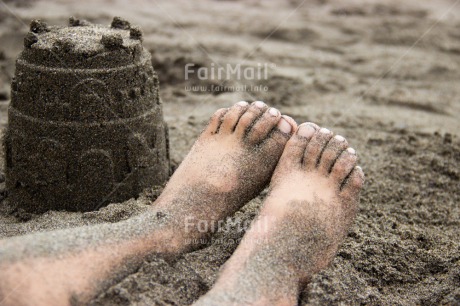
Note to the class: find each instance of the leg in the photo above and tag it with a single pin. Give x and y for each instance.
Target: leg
(312, 201)
(230, 163)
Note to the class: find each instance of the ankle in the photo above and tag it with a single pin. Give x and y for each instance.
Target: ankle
(188, 216)
(247, 283)
(229, 295)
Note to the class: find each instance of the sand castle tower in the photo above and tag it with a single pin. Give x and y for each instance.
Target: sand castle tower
(85, 121)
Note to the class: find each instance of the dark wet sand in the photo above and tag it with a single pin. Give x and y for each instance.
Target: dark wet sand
(384, 76)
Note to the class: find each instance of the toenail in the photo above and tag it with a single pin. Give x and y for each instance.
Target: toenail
(259, 104)
(274, 112)
(359, 168)
(324, 130)
(306, 130)
(351, 151)
(242, 103)
(339, 138)
(284, 126)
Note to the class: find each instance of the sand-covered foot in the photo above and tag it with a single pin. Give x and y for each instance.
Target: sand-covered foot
(230, 163)
(314, 194)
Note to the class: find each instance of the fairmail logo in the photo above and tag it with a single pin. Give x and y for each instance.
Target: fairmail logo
(228, 72)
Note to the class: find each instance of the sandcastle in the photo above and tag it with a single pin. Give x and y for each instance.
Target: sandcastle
(85, 123)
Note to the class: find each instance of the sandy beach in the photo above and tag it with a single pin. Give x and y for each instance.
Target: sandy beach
(384, 74)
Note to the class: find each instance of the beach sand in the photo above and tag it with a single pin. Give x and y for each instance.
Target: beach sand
(385, 76)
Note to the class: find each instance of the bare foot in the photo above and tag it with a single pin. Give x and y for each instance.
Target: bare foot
(312, 201)
(230, 163)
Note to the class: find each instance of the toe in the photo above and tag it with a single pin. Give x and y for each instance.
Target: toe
(215, 121)
(333, 149)
(232, 117)
(285, 126)
(343, 166)
(292, 123)
(263, 126)
(306, 131)
(316, 147)
(296, 145)
(254, 111)
(354, 184)
(276, 140)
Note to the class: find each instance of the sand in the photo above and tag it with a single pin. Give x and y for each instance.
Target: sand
(385, 76)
